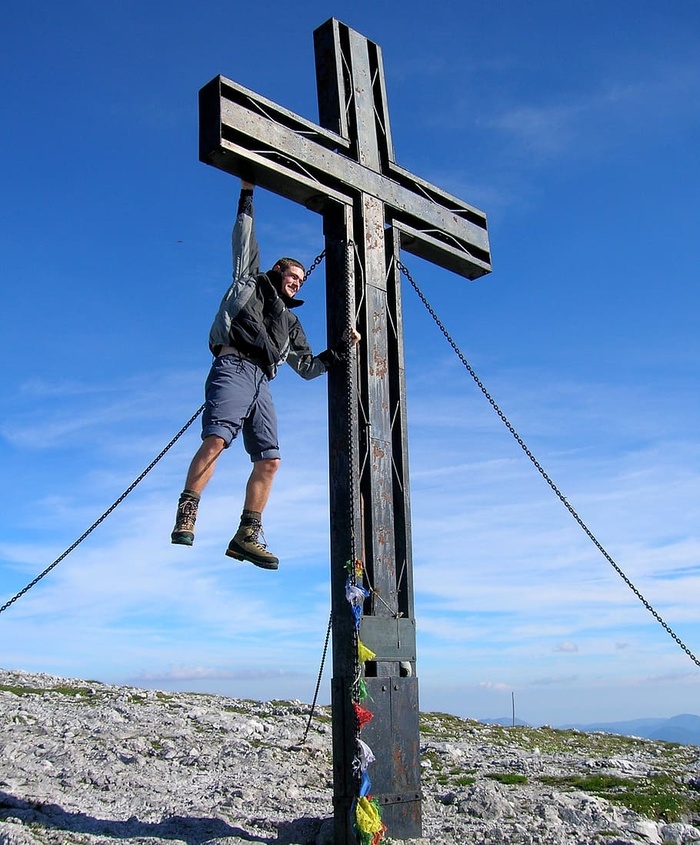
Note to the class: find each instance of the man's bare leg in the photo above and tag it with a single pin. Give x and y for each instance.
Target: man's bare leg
(246, 544)
(202, 466)
(257, 490)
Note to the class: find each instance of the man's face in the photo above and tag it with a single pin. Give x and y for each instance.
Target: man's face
(292, 280)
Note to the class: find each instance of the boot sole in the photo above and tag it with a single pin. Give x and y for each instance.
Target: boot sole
(263, 564)
(182, 538)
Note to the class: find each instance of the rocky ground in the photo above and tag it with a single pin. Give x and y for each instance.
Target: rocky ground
(83, 762)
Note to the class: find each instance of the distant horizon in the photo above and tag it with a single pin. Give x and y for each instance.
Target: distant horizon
(501, 719)
(322, 702)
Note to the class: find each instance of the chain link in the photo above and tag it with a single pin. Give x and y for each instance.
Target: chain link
(350, 359)
(542, 472)
(314, 264)
(318, 678)
(350, 325)
(104, 515)
(350, 390)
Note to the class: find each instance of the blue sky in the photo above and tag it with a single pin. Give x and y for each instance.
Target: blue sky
(575, 127)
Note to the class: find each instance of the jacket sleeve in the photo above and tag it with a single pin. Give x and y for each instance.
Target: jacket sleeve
(245, 256)
(302, 360)
(245, 253)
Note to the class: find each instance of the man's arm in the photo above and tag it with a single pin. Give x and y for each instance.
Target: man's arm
(246, 263)
(309, 366)
(245, 252)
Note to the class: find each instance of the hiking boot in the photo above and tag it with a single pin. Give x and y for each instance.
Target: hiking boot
(246, 545)
(183, 532)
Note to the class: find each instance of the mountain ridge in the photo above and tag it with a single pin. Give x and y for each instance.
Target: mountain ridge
(684, 728)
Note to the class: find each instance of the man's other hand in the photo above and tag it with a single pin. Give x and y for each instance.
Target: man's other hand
(352, 336)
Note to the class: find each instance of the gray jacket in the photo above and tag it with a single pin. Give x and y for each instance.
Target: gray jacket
(253, 318)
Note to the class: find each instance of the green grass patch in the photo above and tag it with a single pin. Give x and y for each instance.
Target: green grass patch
(79, 692)
(548, 740)
(507, 777)
(442, 724)
(659, 797)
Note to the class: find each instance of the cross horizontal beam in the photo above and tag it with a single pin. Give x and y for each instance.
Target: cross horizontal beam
(250, 136)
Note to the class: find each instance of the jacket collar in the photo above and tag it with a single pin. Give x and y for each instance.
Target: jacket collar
(276, 278)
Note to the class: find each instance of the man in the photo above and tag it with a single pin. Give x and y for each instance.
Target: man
(254, 331)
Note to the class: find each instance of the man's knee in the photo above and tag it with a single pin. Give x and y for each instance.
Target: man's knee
(212, 445)
(209, 450)
(266, 467)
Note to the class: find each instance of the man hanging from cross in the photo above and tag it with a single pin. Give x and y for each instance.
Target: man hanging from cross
(254, 331)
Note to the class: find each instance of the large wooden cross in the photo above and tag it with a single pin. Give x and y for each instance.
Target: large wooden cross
(344, 169)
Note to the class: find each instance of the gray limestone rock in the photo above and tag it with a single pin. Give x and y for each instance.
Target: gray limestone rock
(83, 763)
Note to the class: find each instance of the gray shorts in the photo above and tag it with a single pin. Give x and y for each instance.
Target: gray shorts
(237, 394)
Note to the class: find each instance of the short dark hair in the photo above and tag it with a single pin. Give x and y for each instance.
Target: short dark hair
(286, 263)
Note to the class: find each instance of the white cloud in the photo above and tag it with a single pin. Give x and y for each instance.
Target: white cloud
(566, 648)
(494, 685)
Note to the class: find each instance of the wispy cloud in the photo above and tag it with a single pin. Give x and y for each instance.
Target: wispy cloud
(592, 121)
(566, 648)
(208, 673)
(494, 685)
(75, 410)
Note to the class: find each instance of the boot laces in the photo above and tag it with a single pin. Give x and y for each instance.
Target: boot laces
(256, 532)
(186, 514)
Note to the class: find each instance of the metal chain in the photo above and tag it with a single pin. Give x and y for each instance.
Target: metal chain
(318, 678)
(542, 472)
(350, 321)
(105, 514)
(350, 388)
(314, 264)
(350, 324)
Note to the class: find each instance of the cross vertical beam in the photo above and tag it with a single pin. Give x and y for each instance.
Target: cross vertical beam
(355, 107)
(372, 208)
